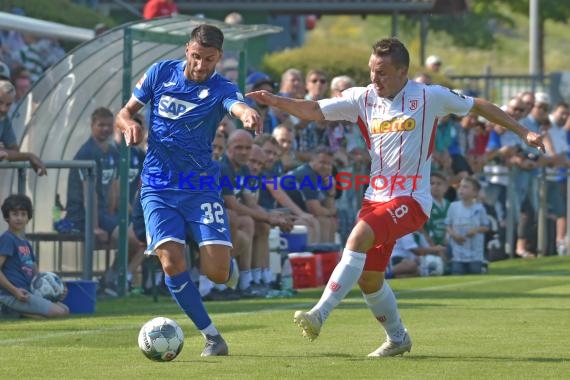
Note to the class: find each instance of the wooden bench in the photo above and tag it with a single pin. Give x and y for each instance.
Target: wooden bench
(58, 239)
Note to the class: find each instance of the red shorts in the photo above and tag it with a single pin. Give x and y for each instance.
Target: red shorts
(390, 221)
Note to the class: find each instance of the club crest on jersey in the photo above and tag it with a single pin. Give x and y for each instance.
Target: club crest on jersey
(413, 104)
(203, 93)
(140, 82)
(172, 108)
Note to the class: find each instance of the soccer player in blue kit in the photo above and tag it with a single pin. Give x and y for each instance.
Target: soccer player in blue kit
(180, 193)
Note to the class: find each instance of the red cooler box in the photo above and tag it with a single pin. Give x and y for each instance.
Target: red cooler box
(307, 270)
(328, 261)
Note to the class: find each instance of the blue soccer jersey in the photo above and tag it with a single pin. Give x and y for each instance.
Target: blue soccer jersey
(183, 123)
(180, 192)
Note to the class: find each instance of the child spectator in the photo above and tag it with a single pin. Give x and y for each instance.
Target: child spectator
(467, 222)
(435, 226)
(18, 264)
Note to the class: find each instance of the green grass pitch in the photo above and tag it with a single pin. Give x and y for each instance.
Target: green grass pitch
(513, 323)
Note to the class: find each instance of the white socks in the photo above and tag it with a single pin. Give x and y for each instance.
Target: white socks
(267, 276)
(205, 285)
(384, 308)
(245, 278)
(343, 279)
(256, 275)
(210, 330)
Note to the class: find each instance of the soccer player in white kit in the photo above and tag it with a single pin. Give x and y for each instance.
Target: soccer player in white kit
(397, 118)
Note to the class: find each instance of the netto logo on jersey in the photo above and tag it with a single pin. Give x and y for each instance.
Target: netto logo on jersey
(397, 124)
(173, 108)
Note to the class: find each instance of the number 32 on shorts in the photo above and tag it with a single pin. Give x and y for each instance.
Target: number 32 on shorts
(213, 212)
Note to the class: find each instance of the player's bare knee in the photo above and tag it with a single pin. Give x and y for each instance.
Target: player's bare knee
(361, 239)
(370, 283)
(219, 277)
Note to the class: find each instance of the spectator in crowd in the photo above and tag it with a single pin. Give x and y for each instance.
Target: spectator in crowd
(159, 8)
(351, 157)
(526, 181)
(18, 264)
(5, 72)
(261, 272)
(433, 64)
(22, 82)
(314, 191)
(309, 135)
(241, 235)
(467, 222)
(234, 18)
(229, 68)
(501, 150)
(260, 81)
(557, 147)
(238, 198)
(414, 256)
(292, 86)
(449, 155)
(435, 226)
(218, 146)
(98, 148)
(287, 160)
(270, 194)
(527, 97)
(8, 141)
(137, 155)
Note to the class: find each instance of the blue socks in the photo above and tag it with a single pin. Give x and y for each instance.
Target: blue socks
(187, 296)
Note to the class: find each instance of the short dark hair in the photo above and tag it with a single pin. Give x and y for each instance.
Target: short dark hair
(100, 113)
(440, 175)
(323, 149)
(208, 36)
(260, 140)
(17, 202)
(395, 49)
(473, 182)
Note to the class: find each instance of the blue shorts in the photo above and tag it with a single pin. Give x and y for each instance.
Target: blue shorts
(172, 215)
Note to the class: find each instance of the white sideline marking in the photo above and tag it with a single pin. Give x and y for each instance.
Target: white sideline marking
(271, 309)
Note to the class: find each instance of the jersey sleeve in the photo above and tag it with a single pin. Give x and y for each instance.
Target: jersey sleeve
(6, 245)
(344, 107)
(144, 88)
(232, 97)
(448, 101)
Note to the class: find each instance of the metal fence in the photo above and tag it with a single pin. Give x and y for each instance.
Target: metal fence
(89, 166)
(500, 88)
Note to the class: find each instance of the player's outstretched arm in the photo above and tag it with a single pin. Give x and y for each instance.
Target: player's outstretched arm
(303, 109)
(495, 115)
(132, 130)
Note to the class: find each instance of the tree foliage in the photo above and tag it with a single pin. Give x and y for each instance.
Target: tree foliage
(478, 27)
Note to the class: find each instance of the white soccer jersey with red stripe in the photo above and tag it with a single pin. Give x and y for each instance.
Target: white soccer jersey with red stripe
(399, 133)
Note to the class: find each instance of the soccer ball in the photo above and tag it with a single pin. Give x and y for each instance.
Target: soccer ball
(431, 265)
(48, 285)
(161, 339)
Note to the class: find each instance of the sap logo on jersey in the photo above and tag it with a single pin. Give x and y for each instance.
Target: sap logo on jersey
(173, 108)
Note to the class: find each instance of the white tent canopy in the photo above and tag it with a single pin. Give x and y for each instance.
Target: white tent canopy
(53, 120)
(43, 28)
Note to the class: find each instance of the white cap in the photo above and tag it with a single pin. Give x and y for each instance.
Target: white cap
(541, 97)
(433, 60)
